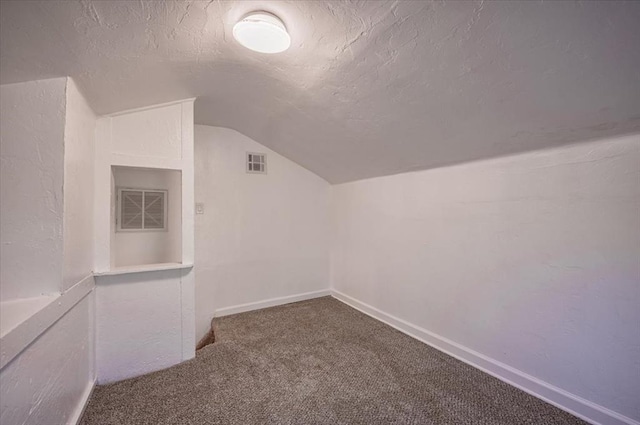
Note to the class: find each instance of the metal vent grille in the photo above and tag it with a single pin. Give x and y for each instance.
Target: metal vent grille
(154, 210)
(256, 163)
(141, 210)
(131, 209)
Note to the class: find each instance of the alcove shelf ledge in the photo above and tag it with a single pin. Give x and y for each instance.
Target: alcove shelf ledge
(144, 268)
(23, 320)
(15, 312)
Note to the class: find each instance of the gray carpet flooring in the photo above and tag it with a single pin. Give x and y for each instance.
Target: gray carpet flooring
(316, 362)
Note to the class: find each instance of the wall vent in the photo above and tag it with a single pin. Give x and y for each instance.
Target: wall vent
(256, 163)
(141, 210)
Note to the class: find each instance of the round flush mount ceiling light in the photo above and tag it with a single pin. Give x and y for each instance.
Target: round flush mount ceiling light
(262, 32)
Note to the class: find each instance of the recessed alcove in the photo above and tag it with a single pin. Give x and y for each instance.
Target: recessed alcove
(146, 216)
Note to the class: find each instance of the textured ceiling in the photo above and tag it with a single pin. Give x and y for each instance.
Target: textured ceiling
(368, 88)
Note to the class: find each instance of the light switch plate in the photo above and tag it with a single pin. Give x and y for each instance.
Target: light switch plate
(199, 208)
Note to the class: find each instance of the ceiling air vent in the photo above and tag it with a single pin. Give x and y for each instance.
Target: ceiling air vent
(256, 163)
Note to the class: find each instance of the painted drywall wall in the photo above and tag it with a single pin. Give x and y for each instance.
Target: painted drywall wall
(47, 227)
(261, 236)
(79, 139)
(50, 381)
(139, 324)
(133, 139)
(31, 180)
(531, 260)
(134, 248)
(145, 321)
(150, 133)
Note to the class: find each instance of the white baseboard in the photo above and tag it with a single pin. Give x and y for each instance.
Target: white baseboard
(580, 407)
(75, 418)
(272, 302)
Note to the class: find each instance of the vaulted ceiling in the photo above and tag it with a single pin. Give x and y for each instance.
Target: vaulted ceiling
(368, 88)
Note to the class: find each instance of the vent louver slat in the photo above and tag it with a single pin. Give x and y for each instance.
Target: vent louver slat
(154, 210)
(256, 163)
(142, 210)
(131, 209)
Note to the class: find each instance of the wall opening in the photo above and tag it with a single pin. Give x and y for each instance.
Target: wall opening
(146, 212)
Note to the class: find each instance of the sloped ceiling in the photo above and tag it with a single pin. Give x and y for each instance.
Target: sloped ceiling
(368, 88)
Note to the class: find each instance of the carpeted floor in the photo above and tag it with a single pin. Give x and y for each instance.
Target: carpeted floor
(317, 362)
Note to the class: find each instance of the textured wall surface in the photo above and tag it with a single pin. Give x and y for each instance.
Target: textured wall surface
(154, 133)
(532, 260)
(159, 137)
(261, 236)
(47, 141)
(145, 321)
(134, 248)
(79, 138)
(138, 318)
(31, 179)
(50, 381)
(368, 88)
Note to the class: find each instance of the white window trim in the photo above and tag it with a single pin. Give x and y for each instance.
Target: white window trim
(119, 210)
(264, 163)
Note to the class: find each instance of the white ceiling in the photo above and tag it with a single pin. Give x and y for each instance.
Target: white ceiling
(368, 88)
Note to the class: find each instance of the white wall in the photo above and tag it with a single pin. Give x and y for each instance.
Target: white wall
(131, 248)
(79, 140)
(261, 236)
(31, 180)
(145, 319)
(149, 133)
(531, 260)
(50, 381)
(139, 324)
(157, 137)
(47, 347)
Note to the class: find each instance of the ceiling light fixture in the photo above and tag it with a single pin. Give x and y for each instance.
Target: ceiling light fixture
(262, 32)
